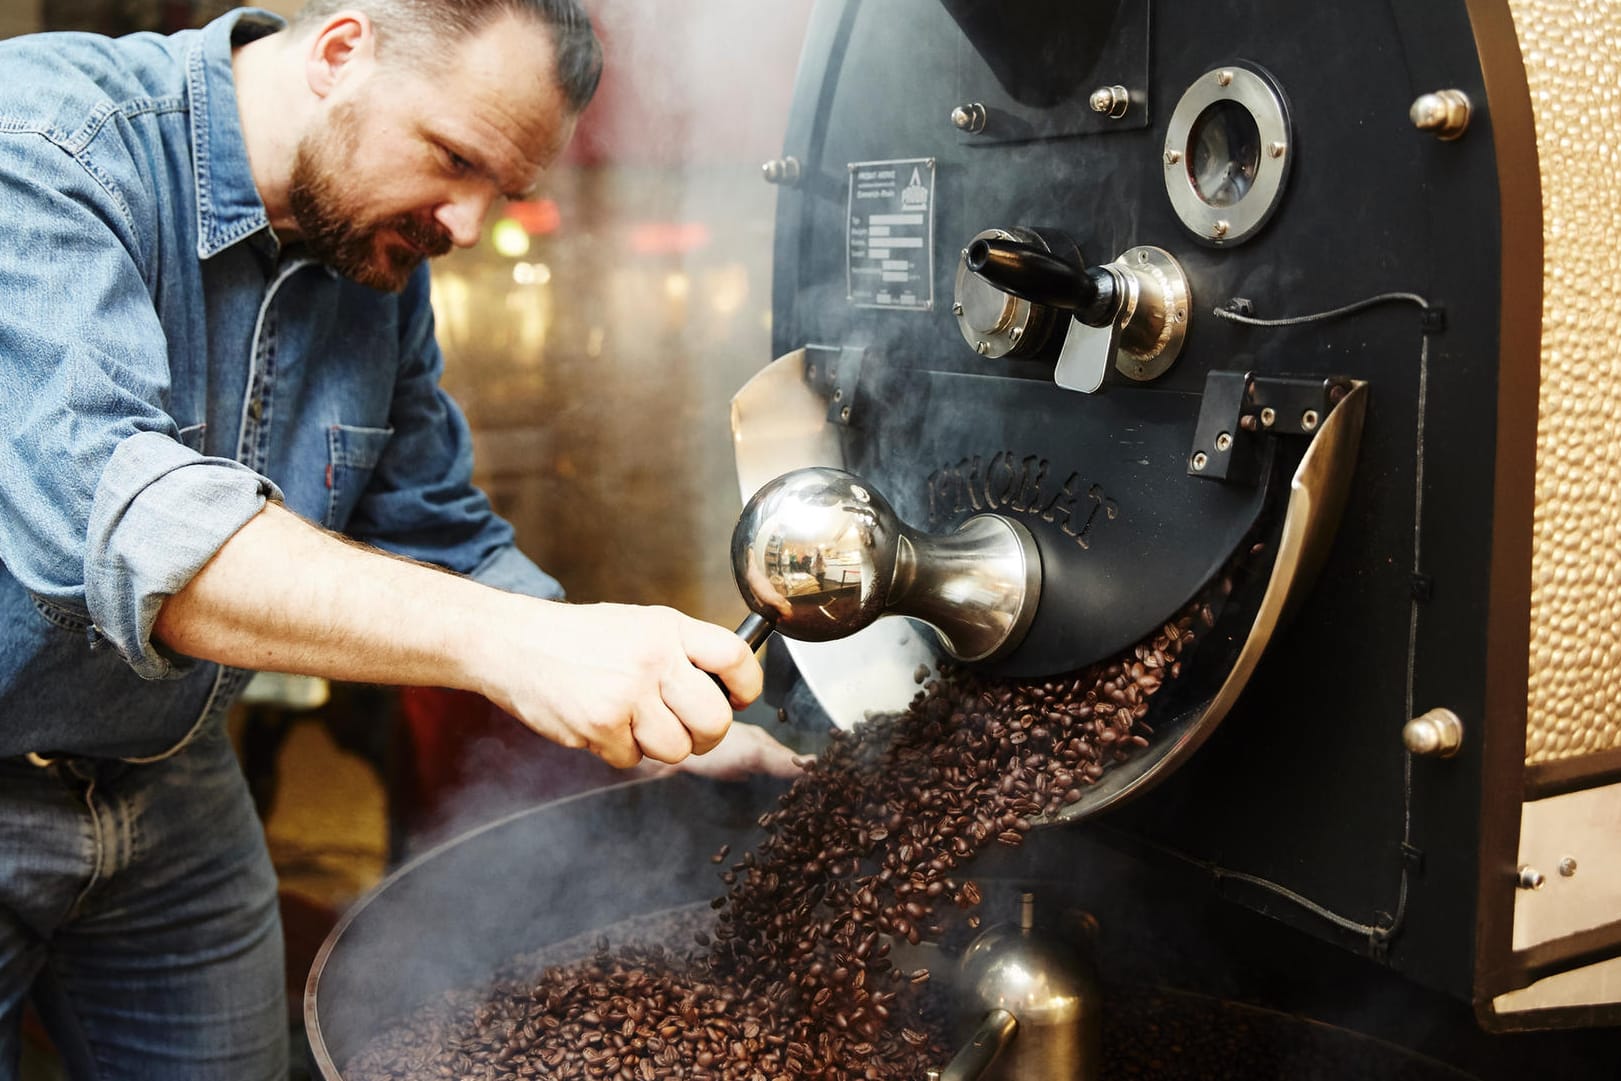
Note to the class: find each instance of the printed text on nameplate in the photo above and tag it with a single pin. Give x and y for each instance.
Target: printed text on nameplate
(890, 234)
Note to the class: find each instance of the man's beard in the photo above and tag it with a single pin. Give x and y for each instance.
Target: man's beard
(333, 227)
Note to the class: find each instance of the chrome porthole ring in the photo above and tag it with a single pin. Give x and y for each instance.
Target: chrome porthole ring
(1227, 153)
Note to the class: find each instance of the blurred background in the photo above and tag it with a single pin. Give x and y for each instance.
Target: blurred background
(594, 338)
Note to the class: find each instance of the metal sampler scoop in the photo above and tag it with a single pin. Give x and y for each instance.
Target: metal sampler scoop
(819, 555)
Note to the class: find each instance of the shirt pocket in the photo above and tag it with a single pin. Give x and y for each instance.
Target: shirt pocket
(352, 454)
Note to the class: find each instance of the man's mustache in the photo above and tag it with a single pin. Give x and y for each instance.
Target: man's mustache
(428, 237)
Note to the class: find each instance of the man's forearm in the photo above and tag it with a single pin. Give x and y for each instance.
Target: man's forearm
(624, 681)
(282, 595)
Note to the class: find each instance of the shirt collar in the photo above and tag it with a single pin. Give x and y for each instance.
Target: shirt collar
(229, 208)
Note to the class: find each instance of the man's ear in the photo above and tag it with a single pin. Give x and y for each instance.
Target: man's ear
(343, 46)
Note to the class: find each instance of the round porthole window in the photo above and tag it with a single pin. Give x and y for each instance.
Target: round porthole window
(1227, 153)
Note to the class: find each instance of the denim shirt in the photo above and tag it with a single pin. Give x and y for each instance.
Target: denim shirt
(165, 369)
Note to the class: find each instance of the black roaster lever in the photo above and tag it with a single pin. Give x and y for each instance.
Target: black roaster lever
(1036, 275)
(754, 630)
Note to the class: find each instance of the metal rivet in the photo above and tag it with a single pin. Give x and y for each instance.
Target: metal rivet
(844, 414)
(1445, 113)
(784, 171)
(1308, 420)
(1434, 734)
(838, 394)
(1112, 100)
(1172, 157)
(1567, 867)
(1530, 878)
(1224, 78)
(1200, 460)
(970, 118)
(1224, 442)
(1269, 417)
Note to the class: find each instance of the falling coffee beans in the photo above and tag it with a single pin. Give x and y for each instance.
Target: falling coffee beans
(870, 846)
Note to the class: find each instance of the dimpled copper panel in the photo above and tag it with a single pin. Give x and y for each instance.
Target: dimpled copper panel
(1573, 65)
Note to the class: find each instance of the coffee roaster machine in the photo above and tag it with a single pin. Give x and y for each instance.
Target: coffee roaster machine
(1165, 283)
(1298, 317)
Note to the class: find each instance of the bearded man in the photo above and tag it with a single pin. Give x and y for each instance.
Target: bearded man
(217, 365)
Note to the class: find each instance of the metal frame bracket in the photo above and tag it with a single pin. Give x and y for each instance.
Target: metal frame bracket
(843, 402)
(1239, 407)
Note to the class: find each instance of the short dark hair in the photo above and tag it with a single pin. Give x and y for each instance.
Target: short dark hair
(419, 29)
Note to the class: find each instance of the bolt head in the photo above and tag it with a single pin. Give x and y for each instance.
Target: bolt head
(1308, 420)
(970, 118)
(1220, 228)
(1224, 442)
(1224, 78)
(1200, 460)
(1429, 112)
(1172, 157)
(982, 348)
(1530, 878)
(956, 309)
(1269, 417)
(1015, 334)
(1102, 100)
(1567, 867)
(1276, 149)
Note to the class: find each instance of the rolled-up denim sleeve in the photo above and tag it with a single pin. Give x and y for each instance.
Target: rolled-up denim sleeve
(102, 509)
(160, 512)
(421, 501)
(511, 570)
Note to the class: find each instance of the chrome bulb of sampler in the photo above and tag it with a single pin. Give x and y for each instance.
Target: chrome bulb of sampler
(819, 554)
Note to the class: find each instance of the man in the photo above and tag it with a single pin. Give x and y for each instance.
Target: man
(214, 332)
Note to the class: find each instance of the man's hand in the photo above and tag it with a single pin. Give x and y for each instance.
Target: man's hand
(619, 680)
(747, 749)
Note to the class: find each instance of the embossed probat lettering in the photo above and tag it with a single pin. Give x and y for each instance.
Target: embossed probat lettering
(1009, 483)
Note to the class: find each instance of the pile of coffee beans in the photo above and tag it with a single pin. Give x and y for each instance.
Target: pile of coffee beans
(793, 978)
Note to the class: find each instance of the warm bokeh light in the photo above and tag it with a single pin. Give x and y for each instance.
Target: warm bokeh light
(727, 288)
(509, 239)
(537, 217)
(531, 274)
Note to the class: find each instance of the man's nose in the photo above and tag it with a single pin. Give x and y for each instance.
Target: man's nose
(463, 218)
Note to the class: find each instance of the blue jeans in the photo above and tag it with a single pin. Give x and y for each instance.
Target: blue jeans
(138, 906)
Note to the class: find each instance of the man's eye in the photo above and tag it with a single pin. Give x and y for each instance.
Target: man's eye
(456, 163)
